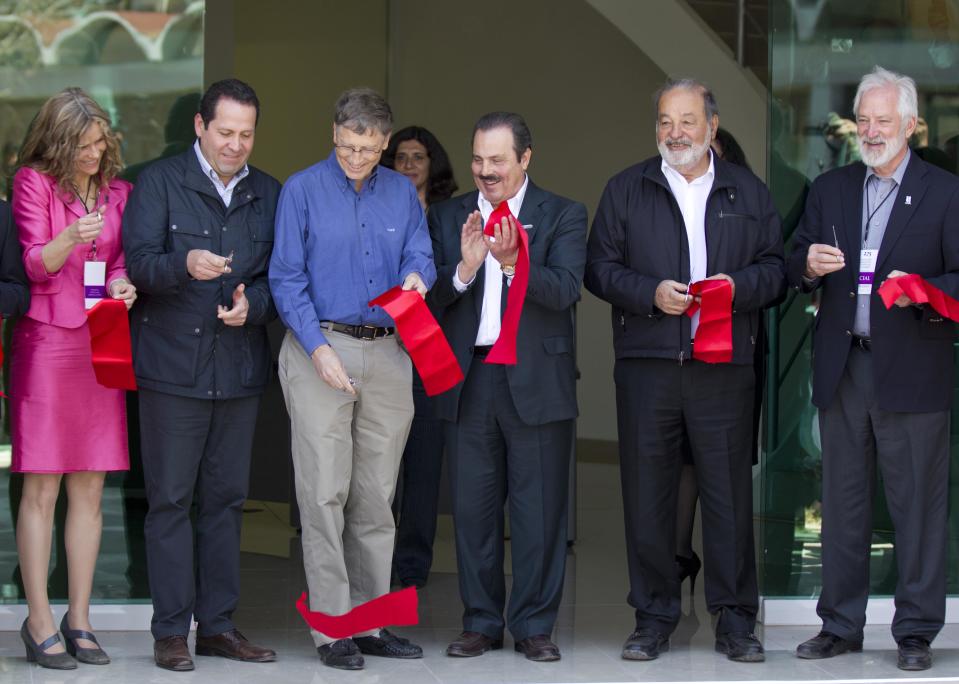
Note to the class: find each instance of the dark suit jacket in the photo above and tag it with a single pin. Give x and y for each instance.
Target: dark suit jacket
(14, 289)
(912, 347)
(179, 345)
(543, 381)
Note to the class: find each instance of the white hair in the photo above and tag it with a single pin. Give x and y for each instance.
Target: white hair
(883, 78)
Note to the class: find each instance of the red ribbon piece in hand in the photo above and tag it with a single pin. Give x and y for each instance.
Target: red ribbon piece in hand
(110, 344)
(504, 350)
(426, 343)
(714, 336)
(919, 291)
(396, 608)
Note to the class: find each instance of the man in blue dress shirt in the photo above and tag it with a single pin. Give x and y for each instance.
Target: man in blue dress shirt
(347, 230)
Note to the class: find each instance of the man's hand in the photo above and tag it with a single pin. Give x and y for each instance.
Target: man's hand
(823, 259)
(903, 299)
(728, 279)
(504, 243)
(672, 298)
(327, 364)
(235, 316)
(414, 282)
(123, 289)
(473, 247)
(203, 264)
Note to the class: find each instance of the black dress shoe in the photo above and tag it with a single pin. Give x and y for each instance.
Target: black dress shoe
(914, 654)
(342, 654)
(539, 648)
(388, 645)
(826, 645)
(645, 644)
(743, 647)
(472, 644)
(172, 653)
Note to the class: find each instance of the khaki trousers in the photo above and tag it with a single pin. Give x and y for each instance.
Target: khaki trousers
(346, 456)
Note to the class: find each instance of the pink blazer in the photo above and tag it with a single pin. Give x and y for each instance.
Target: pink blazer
(41, 212)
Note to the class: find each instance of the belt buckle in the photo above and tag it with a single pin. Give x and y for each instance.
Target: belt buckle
(364, 335)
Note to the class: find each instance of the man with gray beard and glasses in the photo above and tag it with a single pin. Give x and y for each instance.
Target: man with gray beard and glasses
(672, 220)
(882, 379)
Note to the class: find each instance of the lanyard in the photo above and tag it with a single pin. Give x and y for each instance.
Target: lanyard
(92, 254)
(872, 213)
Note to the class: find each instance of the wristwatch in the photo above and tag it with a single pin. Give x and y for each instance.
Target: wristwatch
(509, 270)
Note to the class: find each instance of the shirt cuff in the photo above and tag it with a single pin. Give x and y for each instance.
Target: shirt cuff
(458, 284)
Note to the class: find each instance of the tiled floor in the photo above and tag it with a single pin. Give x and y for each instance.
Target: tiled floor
(593, 622)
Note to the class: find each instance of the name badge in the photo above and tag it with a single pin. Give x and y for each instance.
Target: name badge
(94, 282)
(867, 269)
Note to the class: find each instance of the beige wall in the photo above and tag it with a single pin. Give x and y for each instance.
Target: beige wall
(582, 86)
(299, 55)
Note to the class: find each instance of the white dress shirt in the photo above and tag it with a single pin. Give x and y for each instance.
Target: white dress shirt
(691, 196)
(224, 191)
(489, 325)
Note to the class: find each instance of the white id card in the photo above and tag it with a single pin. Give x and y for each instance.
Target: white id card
(94, 282)
(867, 269)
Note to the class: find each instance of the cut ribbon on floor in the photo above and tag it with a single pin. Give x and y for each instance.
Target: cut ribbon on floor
(395, 608)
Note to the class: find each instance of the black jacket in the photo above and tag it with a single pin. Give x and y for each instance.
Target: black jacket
(912, 347)
(543, 381)
(14, 289)
(179, 345)
(639, 239)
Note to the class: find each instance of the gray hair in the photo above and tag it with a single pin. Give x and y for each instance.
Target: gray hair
(709, 99)
(362, 110)
(883, 78)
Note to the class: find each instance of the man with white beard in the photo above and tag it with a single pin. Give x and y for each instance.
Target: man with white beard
(882, 379)
(661, 225)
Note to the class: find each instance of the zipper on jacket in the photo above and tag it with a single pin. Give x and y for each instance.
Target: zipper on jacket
(682, 355)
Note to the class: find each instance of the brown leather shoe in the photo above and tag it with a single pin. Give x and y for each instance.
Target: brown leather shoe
(234, 646)
(472, 644)
(538, 648)
(172, 653)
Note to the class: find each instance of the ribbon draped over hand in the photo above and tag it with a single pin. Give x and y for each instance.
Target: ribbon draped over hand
(921, 292)
(714, 336)
(426, 343)
(396, 608)
(504, 350)
(112, 356)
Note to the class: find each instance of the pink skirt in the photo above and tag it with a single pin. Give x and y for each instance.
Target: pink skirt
(62, 420)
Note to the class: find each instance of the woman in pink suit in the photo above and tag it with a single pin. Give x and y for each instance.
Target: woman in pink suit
(67, 205)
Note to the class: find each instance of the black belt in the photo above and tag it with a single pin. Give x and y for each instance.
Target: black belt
(360, 332)
(482, 351)
(863, 343)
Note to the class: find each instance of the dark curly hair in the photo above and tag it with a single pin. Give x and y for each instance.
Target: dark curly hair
(441, 184)
(732, 151)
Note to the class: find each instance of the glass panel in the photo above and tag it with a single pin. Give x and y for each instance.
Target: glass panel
(818, 52)
(142, 60)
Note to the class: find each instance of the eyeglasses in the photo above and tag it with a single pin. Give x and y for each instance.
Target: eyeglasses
(362, 152)
(415, 158)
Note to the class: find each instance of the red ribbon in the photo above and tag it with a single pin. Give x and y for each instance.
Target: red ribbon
(504, 350)
(919, 291)
(110, 344)
(426, 343)
(396, 608)
(714, 336)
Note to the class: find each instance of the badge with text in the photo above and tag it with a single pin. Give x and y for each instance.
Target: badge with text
(94, 282)
(867, 269)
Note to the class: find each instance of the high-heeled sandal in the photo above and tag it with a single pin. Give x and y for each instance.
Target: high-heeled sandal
(36, 653)
(90, 656)
(689, 567)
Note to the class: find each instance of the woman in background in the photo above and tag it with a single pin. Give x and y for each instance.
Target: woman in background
(418, 155)
(67, 204)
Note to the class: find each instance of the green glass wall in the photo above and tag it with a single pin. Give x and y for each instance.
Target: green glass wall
(818, 51)
(142, 60)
